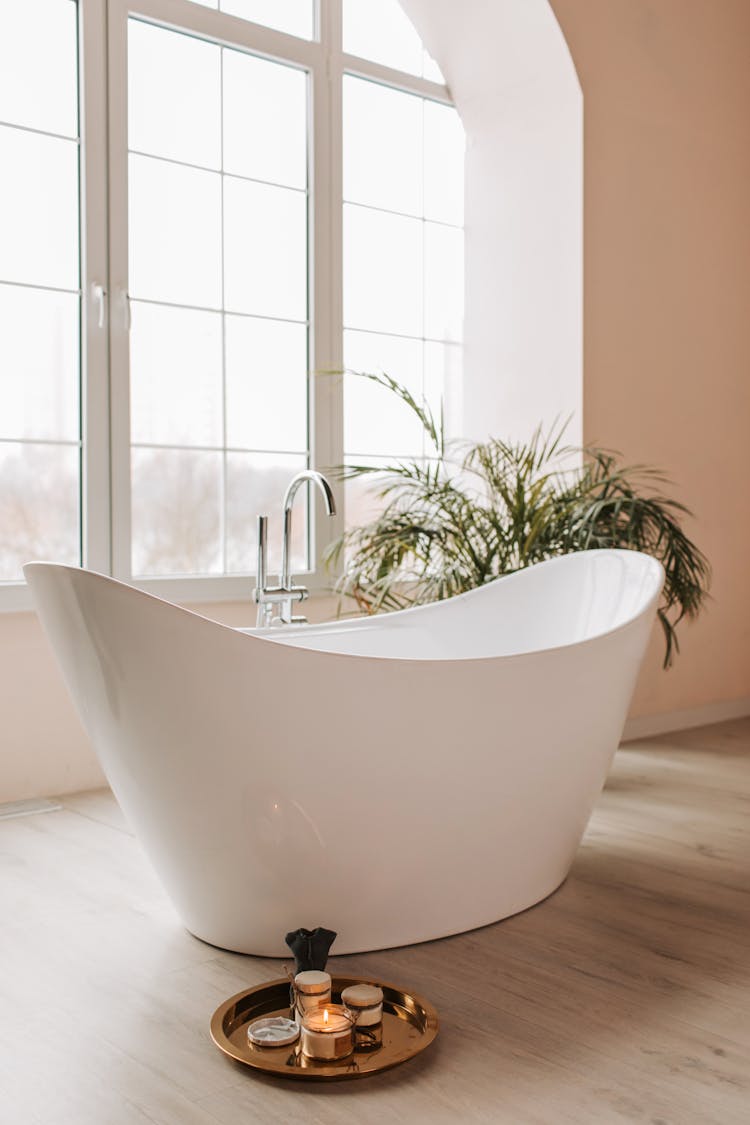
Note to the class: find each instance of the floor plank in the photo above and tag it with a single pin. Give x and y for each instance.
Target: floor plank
(625, 997)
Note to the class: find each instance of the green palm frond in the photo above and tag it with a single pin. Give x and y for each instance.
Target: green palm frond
(473, 512)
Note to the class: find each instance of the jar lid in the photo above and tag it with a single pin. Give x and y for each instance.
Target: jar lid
(362, 996)
(273, 1032)
(313, 982)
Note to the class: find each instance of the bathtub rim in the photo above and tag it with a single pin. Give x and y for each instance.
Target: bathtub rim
(268, 634)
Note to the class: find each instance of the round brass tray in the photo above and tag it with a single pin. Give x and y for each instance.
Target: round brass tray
(409, 1025)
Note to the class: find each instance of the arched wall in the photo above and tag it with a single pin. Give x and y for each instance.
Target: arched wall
(667, 267)
(516, 89)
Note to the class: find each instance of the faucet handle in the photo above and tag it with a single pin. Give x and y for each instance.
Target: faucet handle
(261, 576)
(262, 567)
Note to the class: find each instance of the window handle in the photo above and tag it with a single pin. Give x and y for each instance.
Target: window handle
(128, 316)
(99, 296)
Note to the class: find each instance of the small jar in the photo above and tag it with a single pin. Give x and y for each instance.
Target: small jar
(312, 990)
(327, 1033)
(365, 1002)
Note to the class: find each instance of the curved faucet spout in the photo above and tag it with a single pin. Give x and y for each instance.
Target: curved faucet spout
(285, 594)
(315, 478)
(286, 547)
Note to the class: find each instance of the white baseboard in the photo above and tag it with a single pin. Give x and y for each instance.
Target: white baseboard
(28, 808)
(646, 726)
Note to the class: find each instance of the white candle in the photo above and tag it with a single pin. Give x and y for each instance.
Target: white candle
(327, 1033)
(313, 991)
(365, 1002)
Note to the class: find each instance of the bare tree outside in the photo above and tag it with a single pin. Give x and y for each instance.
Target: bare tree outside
(178, 499)
(39, 506)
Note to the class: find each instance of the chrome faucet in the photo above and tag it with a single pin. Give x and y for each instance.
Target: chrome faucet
(286, 593)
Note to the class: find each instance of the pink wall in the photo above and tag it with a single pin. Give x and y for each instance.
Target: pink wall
(666, 88)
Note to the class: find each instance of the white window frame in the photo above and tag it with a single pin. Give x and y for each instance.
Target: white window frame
(95, 510)
(103, 39)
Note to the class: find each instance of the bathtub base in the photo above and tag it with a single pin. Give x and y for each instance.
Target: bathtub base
(353, 940)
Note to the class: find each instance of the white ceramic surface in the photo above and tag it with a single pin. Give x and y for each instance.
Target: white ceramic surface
(480, 729)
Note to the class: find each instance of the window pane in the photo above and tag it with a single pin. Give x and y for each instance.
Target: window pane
(444, 145)
(175, 376)
(444, 282)
(256, 484)
(39, 506)
(38, 225)
(374, 419)
(382, 147)
(380, 30)
(265, 250)
(40, 454)
(293, 16)
(361, 501)
(382, 271)
(403, 277)
(205, 382)
(38, 65)
(176, 512)
(175, 233)
(39, 364)
(174, 107)
(265, 120)
(266, 380)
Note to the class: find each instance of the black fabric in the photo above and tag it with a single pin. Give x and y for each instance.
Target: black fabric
(310, 948)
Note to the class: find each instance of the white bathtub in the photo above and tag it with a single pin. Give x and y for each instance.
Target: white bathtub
(395, 779)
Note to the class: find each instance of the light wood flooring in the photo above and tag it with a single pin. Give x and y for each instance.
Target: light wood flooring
(624, 997)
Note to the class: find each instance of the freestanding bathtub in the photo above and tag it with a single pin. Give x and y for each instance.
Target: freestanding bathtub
(396, 779)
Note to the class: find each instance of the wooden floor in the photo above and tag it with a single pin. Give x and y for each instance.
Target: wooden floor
(623, 997)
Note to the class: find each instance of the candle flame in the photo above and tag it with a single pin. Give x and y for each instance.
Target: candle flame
(325, 1015)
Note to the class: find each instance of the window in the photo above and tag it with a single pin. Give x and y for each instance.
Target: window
(218, 299)
(40, 296)
(403, 267)
(280, 194)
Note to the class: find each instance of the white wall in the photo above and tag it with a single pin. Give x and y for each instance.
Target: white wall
(516, 89)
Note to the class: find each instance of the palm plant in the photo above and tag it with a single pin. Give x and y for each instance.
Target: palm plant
(468, 513)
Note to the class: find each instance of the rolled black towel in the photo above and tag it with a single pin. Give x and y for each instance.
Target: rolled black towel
(310, 948)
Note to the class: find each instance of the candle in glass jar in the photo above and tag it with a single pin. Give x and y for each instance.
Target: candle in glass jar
(365, 1002)
(327, 1033)
(313, 991)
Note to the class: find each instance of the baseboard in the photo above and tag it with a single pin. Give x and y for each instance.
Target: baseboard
(646, 726)
(28, 808)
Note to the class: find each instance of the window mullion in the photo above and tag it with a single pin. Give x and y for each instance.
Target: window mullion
(396, 79)
(95, 486)
(326, 350)
(119, 320)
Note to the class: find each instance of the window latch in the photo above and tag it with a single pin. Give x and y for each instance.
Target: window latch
(99, 296)
(126, 310)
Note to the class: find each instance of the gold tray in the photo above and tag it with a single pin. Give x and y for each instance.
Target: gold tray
(409, 1025)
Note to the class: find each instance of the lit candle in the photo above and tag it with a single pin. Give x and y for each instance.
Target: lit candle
(327, 1033)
